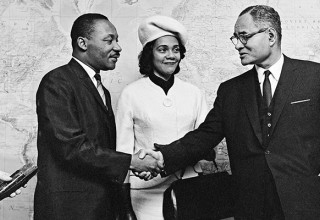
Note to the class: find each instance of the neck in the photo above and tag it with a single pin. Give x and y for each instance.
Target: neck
(271, 60)
(164, 77)
(84, 60)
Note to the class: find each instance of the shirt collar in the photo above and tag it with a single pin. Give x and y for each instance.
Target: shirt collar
(165, 85)
(275, 70)
(88, 69)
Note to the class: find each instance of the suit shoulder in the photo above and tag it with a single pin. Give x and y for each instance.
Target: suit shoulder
(59, 72)
(57, 77)
(305, 64)
(237, 79)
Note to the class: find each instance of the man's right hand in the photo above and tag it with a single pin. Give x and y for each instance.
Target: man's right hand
(146, 161)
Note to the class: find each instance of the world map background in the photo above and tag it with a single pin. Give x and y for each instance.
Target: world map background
(35, 38)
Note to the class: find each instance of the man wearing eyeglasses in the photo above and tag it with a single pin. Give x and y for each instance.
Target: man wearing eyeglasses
(270, 117)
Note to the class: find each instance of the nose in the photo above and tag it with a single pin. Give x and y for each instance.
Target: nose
(170, 54)
(117, 47)
(238, 45)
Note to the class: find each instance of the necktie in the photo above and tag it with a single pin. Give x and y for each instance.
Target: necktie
(267, 95)
(99, 87)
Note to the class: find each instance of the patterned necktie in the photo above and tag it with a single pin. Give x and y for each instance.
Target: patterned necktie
(267, 95)
(99, 87)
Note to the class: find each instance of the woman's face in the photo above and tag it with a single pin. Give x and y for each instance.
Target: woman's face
(166, 56)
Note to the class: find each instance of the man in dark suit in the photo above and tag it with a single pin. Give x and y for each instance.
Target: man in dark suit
(79, 168)
(270, 117)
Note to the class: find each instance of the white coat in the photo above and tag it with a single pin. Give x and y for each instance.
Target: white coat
(146, 115)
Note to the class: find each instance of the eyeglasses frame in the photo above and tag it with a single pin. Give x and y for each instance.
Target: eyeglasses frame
(245, 37)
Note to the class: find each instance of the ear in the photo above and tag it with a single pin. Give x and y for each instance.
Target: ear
(82, 43)
(273, 37)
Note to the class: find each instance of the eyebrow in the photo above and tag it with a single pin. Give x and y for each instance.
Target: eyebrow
(112, 36)
(164, 45)
(240, 33)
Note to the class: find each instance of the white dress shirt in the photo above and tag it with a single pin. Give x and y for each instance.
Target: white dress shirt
(274, 77)
(89, 70)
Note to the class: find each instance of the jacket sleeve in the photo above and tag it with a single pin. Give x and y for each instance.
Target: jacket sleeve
(124, 122)
(61, 130)
(195, 144)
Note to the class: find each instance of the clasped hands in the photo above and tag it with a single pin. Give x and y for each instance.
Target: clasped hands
(147, 164)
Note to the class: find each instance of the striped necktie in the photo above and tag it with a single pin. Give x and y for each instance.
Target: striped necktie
(99, 87)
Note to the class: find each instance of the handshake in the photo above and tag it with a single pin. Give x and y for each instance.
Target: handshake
(147, 163)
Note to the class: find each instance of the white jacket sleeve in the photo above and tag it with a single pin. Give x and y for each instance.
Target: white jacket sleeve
(124, 124)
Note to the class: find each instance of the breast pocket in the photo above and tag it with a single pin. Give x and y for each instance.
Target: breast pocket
(304, 115)
(304, 108)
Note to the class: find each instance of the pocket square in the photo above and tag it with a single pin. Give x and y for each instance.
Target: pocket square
(299, 101)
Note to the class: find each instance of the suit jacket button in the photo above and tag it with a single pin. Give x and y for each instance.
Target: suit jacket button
(267, 152)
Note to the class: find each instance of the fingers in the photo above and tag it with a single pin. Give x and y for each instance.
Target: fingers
(142, 154)
(12, 195)
(160, 164)
(155, 154)
(147, 160)
(5, 176)
(15, 193)
(143, 175)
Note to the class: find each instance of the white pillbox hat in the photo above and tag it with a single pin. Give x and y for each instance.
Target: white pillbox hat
(158, 26)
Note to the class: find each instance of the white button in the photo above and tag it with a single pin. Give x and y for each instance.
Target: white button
(167, 102)
(267, 152)
(269, 125)
(269, 114)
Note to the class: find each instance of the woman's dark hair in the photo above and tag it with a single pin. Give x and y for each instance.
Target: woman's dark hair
(146, 58)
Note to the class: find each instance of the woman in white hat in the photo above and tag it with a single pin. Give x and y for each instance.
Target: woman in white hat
(158, 108)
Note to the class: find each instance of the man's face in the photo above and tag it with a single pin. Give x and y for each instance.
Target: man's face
(166, 56)
(257, 49)
(103, 49)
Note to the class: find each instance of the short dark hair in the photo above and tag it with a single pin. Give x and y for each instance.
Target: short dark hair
(146, 58)
(262, 14)
(84, 25)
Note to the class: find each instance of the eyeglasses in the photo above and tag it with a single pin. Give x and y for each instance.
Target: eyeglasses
(245, 37)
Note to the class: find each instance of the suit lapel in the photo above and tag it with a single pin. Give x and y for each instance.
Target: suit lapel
(288, 77)
(86, 81)
(250, 101)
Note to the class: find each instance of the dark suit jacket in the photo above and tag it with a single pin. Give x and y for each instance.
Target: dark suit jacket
(293, 153)
(78, 164)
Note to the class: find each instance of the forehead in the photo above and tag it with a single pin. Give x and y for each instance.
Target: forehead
(104, 27)
(244, 24)
(166, 41)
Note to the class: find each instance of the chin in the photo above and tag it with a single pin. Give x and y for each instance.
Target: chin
(245, 62)
(110, 67)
